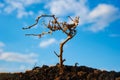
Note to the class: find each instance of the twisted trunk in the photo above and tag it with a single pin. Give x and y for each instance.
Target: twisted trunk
(61, 52)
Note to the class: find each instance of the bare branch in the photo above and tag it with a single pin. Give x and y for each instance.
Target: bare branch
(39, 35)
(56, 54)
(63, 60)
(76, 64)
(37, 20)
(70, 18)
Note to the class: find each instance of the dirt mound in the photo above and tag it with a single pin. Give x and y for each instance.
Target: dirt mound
(70, 73)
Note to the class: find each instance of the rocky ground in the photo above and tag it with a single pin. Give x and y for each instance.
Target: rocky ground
(70, 73)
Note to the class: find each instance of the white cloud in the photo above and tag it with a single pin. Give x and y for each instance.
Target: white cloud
(97, 19)
(19, 6)
(18, 57)
(22, 13)
(101, 10)
(59, 7)
(101, 16)
(47, 43)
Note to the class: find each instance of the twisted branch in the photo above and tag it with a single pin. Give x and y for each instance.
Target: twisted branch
(39, 35)
(37, 20)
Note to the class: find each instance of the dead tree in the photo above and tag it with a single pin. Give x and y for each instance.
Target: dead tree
(55, 25)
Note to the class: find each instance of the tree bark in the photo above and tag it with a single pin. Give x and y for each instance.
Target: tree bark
(61, 52)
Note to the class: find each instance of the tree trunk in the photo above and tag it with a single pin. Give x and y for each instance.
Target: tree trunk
(61, 52)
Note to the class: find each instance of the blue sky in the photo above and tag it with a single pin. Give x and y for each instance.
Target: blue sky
(97, 43)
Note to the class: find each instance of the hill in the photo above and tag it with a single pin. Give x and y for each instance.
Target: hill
(70, 73)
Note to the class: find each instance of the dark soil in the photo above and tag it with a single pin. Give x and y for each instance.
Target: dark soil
(70, 73)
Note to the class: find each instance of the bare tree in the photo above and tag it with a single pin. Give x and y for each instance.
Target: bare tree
(55, 25)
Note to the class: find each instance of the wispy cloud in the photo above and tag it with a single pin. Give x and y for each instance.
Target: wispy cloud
(18, 57)
(101, 16)
(22, 67)
(19, 68)
(22, 13)
(59, 7)
(2, 69)
(19, 6)
(1, 5)
(114, 35)
(47, 42)
(2, 44)
(97, 18)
